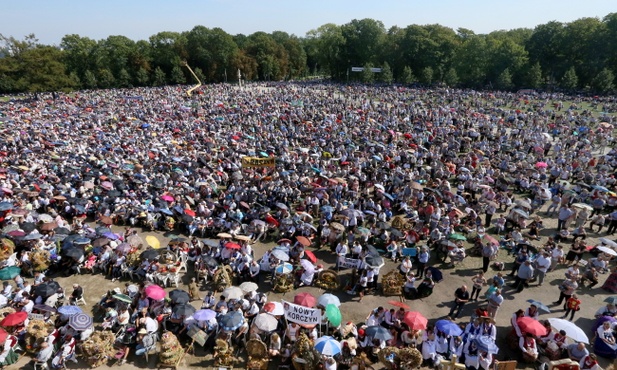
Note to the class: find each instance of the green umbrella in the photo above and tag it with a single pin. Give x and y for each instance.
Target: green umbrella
(612, 300)
(123, 298)
(334, 315)
(457, 236)
(9, 273)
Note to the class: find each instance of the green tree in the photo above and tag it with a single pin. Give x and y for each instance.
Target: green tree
(407, 76)
(79, 55)
(89, 80)
(105, 78)
(159, 78)
(364, 40)
(142, 77)
(367, 75)
(569, 81)
(426, 75)
(124, 78)
(177, 76)
(329, 49)
(451, 78)
(200, 74)
(534, 76)
(386, 74)
(504, 80)
(603, 82)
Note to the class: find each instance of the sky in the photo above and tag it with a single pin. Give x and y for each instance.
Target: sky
(50, 20)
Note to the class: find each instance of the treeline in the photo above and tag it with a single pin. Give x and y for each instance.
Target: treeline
(571, 56)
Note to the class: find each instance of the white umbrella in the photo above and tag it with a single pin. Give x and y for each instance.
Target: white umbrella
(248, 287)
(572, 331)
(608, 242)
(274, 308)
(522, 203)
(328, 346)
(521, 212)
(327, 299)
(583, 205)
(265, 322)
(280, 255)
(607, 250)
(233, 293)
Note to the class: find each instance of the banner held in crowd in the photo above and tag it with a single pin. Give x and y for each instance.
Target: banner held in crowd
(301, 315)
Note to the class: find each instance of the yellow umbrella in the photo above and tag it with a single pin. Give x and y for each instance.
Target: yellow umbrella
(153, 242)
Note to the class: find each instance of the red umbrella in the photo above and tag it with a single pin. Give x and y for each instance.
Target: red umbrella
(490, 239)
(532, 326)
(303, 240)
(14, 318)
(272, 221)
(3, 335)
(155, 292)
(232, 245)
(305, 299)
(167, 198)
(284, 240)
(415, 320)
(190, 212)
(398, 304)
(310, 256)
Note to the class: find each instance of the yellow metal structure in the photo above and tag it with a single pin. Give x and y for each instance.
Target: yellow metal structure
(189, 92)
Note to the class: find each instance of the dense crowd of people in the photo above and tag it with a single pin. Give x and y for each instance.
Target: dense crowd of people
(370, 173)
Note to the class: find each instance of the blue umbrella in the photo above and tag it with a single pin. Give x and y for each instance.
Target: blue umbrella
(328, 346)
(110, 235)
(81, 240)
(378, 332)
(69, 310)
(388, 196)
(9, 273)
(231, 321)
(80, 321)
(448, 327)
(285, 268)
(166, 211)
(597, 187)
(539, 305)
(5, 206)
(487, 344)
(316, 169)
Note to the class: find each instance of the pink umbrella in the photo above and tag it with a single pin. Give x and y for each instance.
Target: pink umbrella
(167, 198)
(107, 185)
(541, 165)
(155, 292)
(415, 320)
(490, 239)
(305, 299)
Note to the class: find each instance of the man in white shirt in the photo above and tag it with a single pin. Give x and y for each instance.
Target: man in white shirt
(543, 263)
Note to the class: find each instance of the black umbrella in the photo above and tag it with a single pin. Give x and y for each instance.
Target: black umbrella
(62, 230)
(100, 242)
(74, 252)
(102, 230)
(179, 296)
(28, 226)
(58, 237)
(149, 254)
(184, 310)
(188, 219)
(46, 289)
(211, 262)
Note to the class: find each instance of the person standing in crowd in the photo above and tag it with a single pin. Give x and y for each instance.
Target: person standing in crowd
(461, 296)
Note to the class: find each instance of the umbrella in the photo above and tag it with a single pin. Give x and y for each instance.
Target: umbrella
(532, 326)
(106, 220)
(123, 248)
(244, 238)
(305, 299)
(333, 314)
(5, 206)
(363, 230)
(607, 250)
(522, 203)
(541, 165)
(81, 240)
(274, 308)
(448, 327)
(248, 286)
(48, 226)
(28, 226)
(14, 318)
(184, 310)
(612, 300)
(457, 236)
(280, 255)
(486, 343)
(539, 305)
(328, 346)
(303, 240)
(231, 321)
(415, 320)
(135, 240)
(69, 310)
(149, 254)
(9, 273)
(374, 261)
(307, 266)
(327, 298)
(281, 206)
(596, 187)
(46, 289)
(8, 228)
(110, 235)
(153, 241)
(123, 298)
(44, 217)
(378, 332)
(3, 335)
(398, 304)
(179, 296)
(572, 331)
(337, 226)
(233, 293)
(583, 205)
(74, 252)
(80, 322)
(204, 315)
(167, 198)
(43, 308)
(100, 242)
(210, 262)
(284, 268)
(521, 212)
(232, 245)
(608, 242)
(265, 322)
(310, 256)
(155, 292)
(16, 233)
(223, 235)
